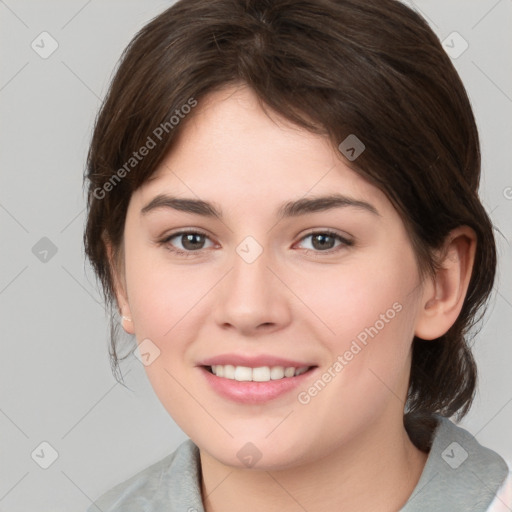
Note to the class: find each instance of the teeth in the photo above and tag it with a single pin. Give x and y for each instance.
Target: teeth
(260, 374)
(242, 373)
(276, 372)
(289, 372)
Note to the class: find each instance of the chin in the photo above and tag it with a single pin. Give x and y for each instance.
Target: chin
(259, 454)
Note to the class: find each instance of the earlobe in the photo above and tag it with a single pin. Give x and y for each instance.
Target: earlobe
(127, 324)
(443, 297)
(120, 292)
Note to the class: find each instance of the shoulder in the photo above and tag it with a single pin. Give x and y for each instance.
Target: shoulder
(172, 483)
(460, 473)
(503, 500)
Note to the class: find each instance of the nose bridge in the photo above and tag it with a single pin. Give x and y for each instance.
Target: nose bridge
(249, 282)
(251, 294)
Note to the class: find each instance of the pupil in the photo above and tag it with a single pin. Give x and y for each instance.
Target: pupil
(189, 239)
(323, 239)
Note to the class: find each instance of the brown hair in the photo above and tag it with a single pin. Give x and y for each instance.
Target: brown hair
(335, 67)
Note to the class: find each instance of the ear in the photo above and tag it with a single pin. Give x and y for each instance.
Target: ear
(443, 296)
(120, 291)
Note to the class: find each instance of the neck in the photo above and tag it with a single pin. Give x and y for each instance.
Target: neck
(377, 471)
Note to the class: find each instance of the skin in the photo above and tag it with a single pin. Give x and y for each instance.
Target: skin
(326, 454)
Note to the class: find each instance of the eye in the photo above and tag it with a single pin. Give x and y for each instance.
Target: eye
(190, 242)
(325, 240)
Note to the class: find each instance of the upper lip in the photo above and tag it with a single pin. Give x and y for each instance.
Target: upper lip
(252, 361)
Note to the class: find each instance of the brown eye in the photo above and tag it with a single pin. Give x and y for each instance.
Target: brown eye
(325, 241)
(186, 242)
(322, 241)
(192, 241)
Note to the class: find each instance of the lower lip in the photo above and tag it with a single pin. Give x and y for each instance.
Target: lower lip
(250, 392)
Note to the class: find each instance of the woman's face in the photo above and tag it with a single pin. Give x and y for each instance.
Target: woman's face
(264, 286)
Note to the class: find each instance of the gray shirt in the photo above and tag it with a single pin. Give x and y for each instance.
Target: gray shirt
(459, 475)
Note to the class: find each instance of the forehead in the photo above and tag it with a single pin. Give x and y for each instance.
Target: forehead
(232, 150)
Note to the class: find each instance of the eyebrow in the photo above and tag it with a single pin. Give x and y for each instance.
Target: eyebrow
(289, 209)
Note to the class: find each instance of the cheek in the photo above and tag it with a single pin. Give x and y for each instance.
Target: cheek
(165, 303)
(160, 294)
(356, 300)
(370, 309)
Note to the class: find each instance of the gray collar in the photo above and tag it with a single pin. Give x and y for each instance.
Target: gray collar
(460, 475)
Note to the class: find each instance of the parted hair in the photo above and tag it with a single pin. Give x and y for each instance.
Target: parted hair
(336, 68)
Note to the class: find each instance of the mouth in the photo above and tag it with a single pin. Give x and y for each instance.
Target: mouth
(257, 374)
(256, 385)
(256, 378)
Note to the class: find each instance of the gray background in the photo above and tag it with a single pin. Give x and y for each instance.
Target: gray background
(56, 383)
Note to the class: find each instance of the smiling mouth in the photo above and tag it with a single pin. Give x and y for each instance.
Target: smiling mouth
(259, 374)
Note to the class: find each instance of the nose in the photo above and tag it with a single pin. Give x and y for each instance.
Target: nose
(252, 299)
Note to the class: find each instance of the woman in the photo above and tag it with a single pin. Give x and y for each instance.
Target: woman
(283, 208)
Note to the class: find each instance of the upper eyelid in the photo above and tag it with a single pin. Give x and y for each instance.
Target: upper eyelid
(182, 232)
(331, 231)
(194, 231)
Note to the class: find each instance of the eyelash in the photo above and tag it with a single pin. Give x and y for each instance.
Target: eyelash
(344, 242)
